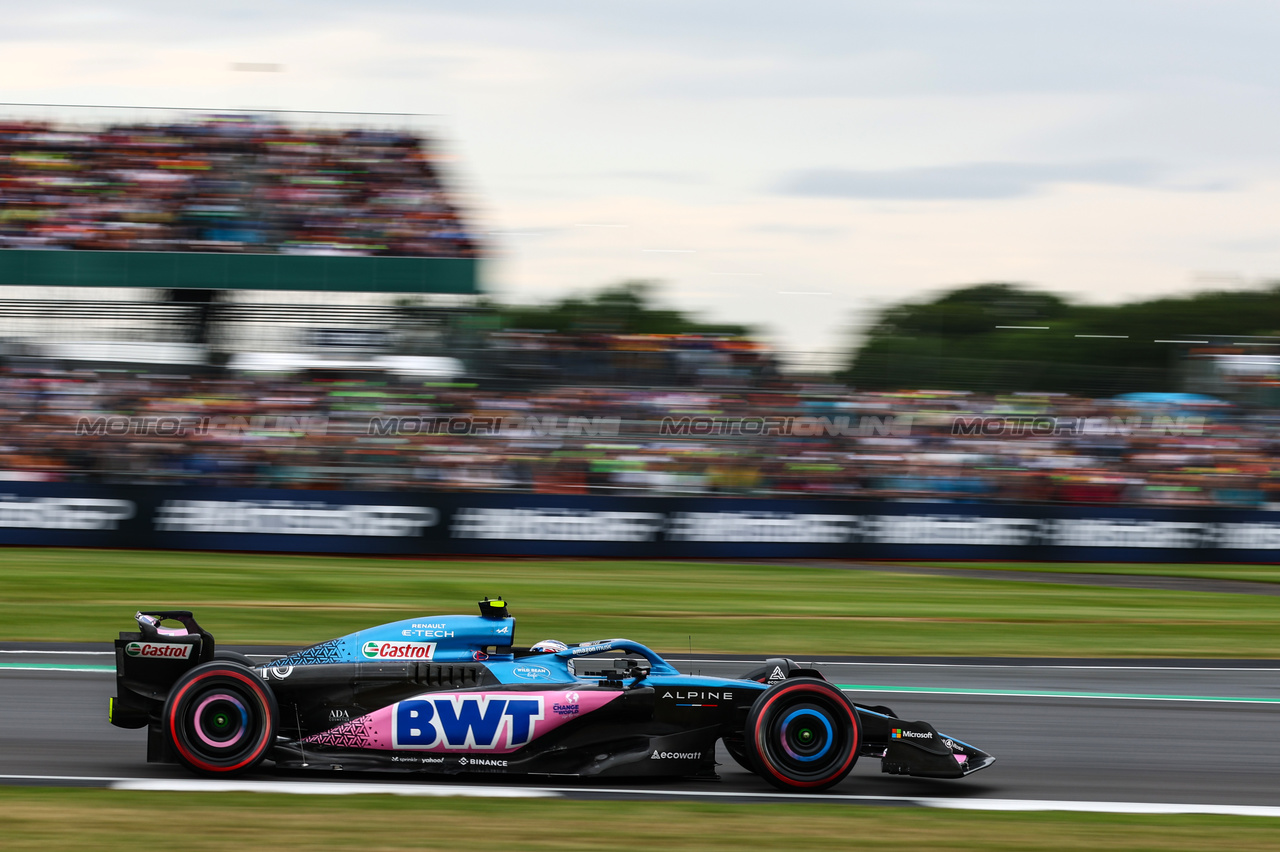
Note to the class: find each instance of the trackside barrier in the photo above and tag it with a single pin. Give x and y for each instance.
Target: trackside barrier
(453, 523)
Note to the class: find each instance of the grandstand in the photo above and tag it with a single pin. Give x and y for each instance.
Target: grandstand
(187, 239)
(200, 300)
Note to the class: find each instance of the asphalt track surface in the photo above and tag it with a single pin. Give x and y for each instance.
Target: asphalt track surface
(1099, 731)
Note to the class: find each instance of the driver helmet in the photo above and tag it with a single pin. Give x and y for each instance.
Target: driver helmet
(548, 646)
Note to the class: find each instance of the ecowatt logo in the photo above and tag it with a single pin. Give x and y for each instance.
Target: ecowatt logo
(170, 651)
(398, 650)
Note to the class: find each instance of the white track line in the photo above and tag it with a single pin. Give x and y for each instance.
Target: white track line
(430, 789)
(305, 788)
(1100, 807)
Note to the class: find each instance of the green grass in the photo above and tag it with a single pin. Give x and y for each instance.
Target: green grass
(43, 819)
(79, 595)
(1229, 571)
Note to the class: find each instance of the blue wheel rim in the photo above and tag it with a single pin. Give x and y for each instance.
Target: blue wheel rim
(806, 712)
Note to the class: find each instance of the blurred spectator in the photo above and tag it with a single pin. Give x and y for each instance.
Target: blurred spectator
(756, 434)
(225, 184)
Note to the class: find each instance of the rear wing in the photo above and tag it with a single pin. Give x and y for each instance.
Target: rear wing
(150, 660)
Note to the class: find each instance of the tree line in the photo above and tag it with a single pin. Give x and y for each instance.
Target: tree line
(1004, 337)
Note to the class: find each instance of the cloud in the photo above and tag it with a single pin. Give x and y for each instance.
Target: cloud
(704, 124)
(793, 230)
(662, 176)
(1266, 243)
(746, 48)
(963, 181)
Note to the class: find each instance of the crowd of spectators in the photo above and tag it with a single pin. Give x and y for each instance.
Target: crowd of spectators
(773, 438)
(666, 360)
(225, 184)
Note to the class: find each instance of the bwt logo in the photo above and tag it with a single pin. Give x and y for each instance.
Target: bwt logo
(482, 722)
(556, 524)
(293, 517)
(1039, 427)
(798, 427)
(64, 513)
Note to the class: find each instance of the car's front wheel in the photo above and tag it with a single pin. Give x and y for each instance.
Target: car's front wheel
(220, 719)
(803, 734)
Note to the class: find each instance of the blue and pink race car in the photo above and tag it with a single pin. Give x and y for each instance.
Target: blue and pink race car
(453, 695)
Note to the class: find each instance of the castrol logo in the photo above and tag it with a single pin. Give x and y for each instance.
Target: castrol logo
(398, 650)
(159, 650)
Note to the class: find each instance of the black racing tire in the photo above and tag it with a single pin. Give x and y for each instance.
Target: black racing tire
(803, 734)
(232, 657)
(220, 719)
(737, 749)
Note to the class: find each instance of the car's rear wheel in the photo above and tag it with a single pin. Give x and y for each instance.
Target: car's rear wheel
(220, 719)
(232, 657)
(803, 734)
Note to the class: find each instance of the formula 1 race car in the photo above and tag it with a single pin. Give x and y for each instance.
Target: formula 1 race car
(451, 694)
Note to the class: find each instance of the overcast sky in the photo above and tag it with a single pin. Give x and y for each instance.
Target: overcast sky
(794, 165)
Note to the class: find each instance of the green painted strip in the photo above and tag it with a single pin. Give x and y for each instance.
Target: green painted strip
(1035, 693)
(53, 667)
